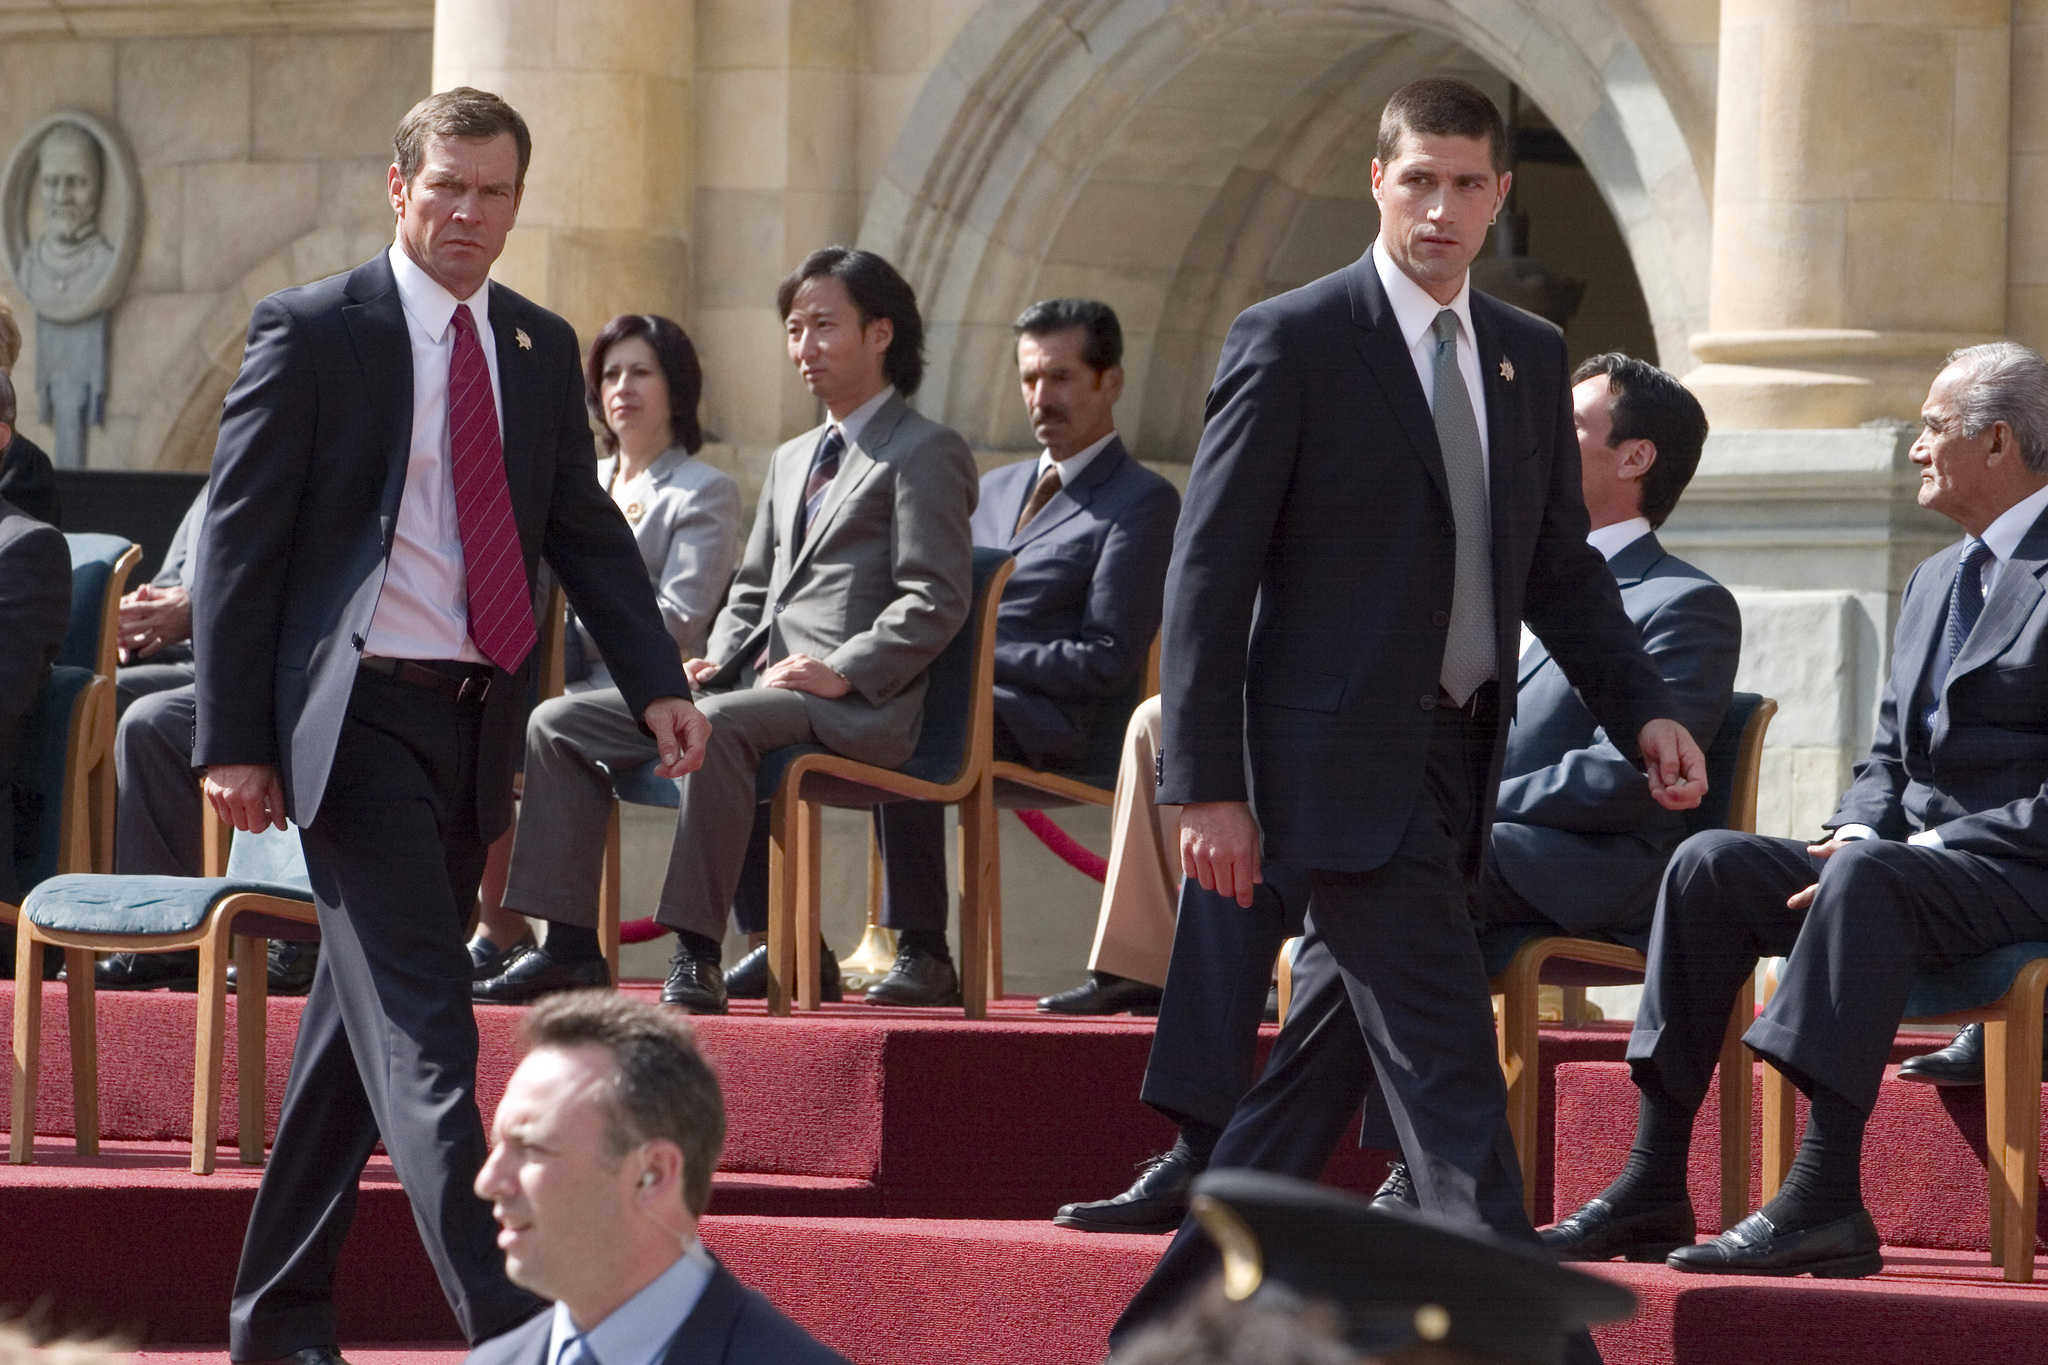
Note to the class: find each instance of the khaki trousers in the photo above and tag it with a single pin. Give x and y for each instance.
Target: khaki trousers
(1134, 934)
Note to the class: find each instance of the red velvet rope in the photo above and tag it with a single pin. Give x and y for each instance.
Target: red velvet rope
(1064, 846)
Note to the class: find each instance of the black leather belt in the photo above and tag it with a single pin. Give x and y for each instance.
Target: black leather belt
(464, 682)
(1482, 705)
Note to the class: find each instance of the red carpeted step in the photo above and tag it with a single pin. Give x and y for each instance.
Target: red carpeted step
(1923, 1153)
(377, 1353)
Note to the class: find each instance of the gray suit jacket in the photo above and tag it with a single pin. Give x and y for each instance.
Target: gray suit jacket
(1576, 831)
(688, 532)
(876, 590)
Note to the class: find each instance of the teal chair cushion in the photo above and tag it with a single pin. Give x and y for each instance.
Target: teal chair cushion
(48, 739)
(270, 864)
(93, 557)
(1972, 985)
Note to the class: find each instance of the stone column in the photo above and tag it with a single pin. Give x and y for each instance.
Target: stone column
(1860, 194)
(605, 226)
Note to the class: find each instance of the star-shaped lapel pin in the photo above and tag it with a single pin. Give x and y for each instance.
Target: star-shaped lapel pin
(1507, 369)
(526, 342)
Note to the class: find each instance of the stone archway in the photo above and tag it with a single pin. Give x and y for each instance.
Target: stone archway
(1174, 158)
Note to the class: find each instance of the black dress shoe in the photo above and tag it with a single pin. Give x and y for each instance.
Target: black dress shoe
(487, 959)
(1397, 1191)
(1601, 1232)
(1156, 1202)
(317, 1355)
(917, 978)
(694, 984)
(534, 974)
(148, 971)
(288, 966)
(1104, 993)
(1846, 1249)
(748, 979)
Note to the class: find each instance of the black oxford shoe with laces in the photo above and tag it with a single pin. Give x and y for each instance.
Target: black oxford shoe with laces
(694, 984)
(1397, 1191)
(916, 978)
(1156, 1202)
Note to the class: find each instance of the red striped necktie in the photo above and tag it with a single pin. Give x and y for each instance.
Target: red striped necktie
(500, 608)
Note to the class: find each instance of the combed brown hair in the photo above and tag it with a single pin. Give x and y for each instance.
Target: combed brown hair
(1442, 106)
(663, 1088)
(1647, 404)
(10, 338)
(461, 112)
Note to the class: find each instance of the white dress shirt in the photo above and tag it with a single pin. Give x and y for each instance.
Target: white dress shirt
(2002, 537)
(1415, 313)
(423, 608)
(639, 1330)
(1074, 465)
(1611, 539)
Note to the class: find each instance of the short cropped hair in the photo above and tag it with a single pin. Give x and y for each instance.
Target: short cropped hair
(2008, 383)
(1103, 348)
(10, 338)
(678, 361)
(6, 400)
(461, 112)
(663, 1088)
(1442, 106)
(878, 292)
(1647, 404)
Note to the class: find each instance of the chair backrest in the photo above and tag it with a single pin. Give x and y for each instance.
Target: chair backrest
(1734, 765)
(553, 644)
(959, 703)
(269, 855)
(45, 771)
(100, 565)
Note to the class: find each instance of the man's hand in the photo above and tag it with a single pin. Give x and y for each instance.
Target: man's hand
(699, 671)
(1677, 768)
(802, 673)
(680, 734)
(1219, 847)
(246, 795)
(152, 617)
(1799, 900)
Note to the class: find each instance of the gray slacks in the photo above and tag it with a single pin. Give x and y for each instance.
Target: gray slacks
(558, 850)
(157, 817)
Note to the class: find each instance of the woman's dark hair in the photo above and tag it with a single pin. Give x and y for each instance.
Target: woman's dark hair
(878, 292)
(678, 359)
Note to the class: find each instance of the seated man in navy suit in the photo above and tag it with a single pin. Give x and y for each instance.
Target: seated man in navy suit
(1092, 530)
(601, 1162)
(1937, 854)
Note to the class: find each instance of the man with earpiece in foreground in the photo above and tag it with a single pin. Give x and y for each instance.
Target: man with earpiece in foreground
(600, 1166)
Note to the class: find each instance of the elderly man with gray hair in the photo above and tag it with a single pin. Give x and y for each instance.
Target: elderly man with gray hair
(1937, 854)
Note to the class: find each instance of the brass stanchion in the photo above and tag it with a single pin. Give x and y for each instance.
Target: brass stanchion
(870, 962)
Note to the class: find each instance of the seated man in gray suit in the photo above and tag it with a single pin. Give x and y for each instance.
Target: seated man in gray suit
(857, 573)
(601, 1160)
(1091, 529)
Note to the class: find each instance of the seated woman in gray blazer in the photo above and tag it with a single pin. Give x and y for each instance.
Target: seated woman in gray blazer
(643, 382)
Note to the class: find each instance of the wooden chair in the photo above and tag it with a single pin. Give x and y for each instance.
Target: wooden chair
(66, 760)
(952, 765)
(1522, 959)
(2004, 991)
(260, 892)
(1090, 782)
(100, 566)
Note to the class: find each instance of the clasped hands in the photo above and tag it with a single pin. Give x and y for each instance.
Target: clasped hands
(1219, 840)
(792, 673)
(152, 617)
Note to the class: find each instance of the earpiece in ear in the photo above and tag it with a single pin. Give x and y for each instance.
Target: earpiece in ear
(646, 1179)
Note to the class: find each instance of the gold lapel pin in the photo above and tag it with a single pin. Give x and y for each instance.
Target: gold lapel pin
(526, 342)
(1507, 368)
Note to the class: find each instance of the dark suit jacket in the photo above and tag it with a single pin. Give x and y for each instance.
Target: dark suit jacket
(303, 503)
(29, 480)
(1307, 605)
(1079, 612)
(35, 611)
(1979, 777)
(731, 1325)
(1576, 831)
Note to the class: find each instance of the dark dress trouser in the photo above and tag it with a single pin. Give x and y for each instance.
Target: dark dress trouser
(1406, 961)
(157, 810)
(387, 1045)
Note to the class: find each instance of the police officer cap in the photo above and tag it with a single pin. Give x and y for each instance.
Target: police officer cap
(1398, 1278)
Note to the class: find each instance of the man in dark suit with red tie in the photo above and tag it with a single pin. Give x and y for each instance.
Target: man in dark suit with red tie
(1387, 485)
(403, 443)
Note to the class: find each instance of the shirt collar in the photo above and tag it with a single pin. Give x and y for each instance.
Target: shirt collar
(1414, 310)
(430, 304)
(1075, 464)
(856, 421)
(2005, 534)
(1611, 539)
(639, 1329)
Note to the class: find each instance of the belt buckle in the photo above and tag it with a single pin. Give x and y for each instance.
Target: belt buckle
(475, 688)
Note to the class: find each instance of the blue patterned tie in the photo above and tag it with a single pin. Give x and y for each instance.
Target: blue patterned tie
(1965, 605)
(576, 1351)
(824, 468)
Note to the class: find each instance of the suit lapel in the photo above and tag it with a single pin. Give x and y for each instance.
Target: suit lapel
(1068, 502)
(2007, 608)
(1501, 457)
(519, 400)
(706, 1334)
(376, 327)
(1386, 356)
(1921, 617)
